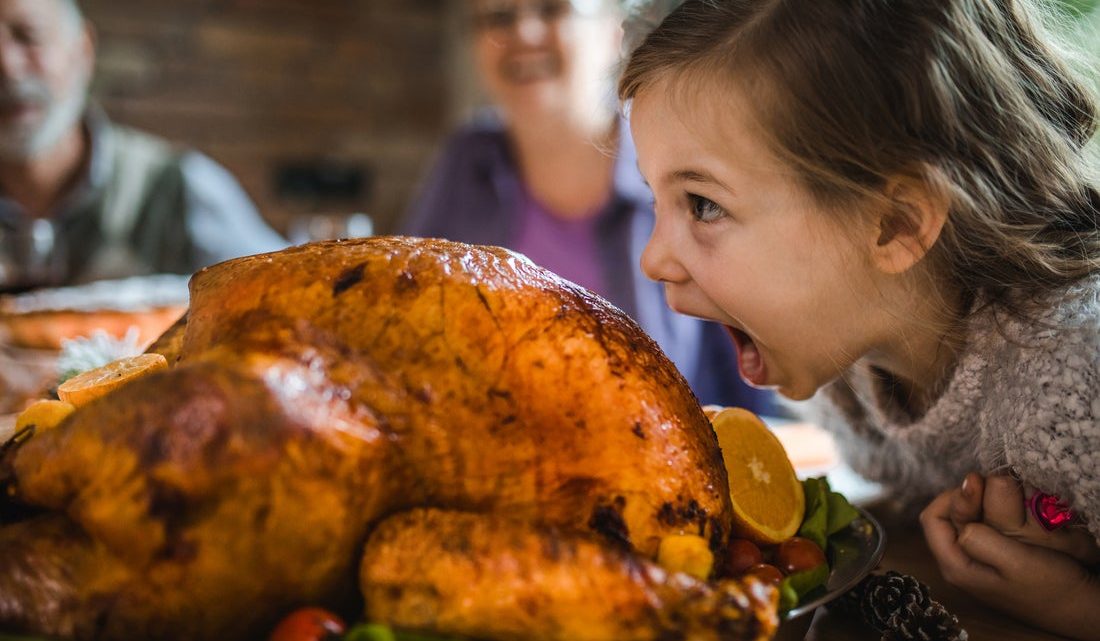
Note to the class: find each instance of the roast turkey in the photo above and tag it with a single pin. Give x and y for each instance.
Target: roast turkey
(438, 436)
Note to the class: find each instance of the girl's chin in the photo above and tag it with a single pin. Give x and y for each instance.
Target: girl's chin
(795, 393)
(804, 388)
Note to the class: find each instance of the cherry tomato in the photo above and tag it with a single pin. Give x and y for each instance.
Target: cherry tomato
(797, 554)
(766, 573)
(309, 624)
(742, 554)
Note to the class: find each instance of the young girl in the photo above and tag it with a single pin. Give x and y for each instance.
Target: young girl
(902, 188)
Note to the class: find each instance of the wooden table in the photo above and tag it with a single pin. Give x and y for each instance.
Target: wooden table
(906, 552)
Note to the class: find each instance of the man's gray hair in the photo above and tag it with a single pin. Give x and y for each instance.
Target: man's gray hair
(72, 8)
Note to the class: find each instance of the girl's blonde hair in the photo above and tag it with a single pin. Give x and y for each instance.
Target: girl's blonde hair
(968, 96)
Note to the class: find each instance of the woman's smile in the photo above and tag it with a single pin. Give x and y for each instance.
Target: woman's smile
(523, 68)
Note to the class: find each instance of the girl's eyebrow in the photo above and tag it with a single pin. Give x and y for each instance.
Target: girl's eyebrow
(693, 175)
(690, 175)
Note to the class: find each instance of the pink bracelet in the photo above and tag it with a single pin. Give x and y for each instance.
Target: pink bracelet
(1050, 511)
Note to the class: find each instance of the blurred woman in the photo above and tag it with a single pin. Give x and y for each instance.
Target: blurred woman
(551, 172)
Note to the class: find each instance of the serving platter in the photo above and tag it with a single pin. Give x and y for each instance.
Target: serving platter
(856, 552)
(863, 545)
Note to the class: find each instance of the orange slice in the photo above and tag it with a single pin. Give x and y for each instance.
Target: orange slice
(43, 415)
(710, 411)
(84, 388)
(768, 502)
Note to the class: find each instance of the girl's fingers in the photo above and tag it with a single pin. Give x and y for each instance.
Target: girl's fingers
(966, 504)
(1080, 544)
(1016, 560)
(1046, 588)
(940, 533)
(988, 546)
(1006, 510)
(1003, 505)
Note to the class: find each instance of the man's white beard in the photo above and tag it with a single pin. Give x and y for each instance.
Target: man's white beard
(25, 143)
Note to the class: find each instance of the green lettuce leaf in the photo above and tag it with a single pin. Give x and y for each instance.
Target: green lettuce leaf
(840, 513)
(799, 584)
(816, 519)
(383, 632)
(370, 632)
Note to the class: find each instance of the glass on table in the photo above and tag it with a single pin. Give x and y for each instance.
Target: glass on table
(306, 228)
(32, 256)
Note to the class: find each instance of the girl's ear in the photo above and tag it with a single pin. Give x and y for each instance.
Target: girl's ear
(909, 225)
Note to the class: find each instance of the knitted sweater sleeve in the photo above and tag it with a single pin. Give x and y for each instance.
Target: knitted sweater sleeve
(1025, 397)
(868, 448)
(1051, 412)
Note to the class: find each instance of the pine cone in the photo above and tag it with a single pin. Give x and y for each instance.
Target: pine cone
(933, 623)
(906, 613)
(884, 595)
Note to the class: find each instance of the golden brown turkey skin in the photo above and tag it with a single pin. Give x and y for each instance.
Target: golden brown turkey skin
(421, 567)
(322, 389)
(209, 506)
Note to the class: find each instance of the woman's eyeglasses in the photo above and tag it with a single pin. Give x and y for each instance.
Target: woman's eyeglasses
(504, 15)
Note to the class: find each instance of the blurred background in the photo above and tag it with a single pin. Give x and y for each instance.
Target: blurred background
(329, 114)
(311, 104)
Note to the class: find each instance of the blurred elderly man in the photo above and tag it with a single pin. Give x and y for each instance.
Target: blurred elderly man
(104, 200)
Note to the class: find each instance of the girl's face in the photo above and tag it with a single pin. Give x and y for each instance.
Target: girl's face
(740, 242)
(545, 55)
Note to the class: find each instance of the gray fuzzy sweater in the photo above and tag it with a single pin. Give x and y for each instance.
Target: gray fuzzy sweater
(1024, 397)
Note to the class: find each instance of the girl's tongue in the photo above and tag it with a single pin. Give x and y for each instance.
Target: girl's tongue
(749, 360)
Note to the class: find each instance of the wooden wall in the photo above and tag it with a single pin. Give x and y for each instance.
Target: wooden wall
(257, 83)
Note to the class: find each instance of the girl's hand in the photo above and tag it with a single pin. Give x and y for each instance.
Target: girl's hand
(1001, 503)
(1042, 586)
(1005, 510)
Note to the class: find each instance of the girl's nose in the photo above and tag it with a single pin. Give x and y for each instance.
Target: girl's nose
(659, 260)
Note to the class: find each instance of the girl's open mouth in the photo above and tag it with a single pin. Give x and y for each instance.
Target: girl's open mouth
(749, 360)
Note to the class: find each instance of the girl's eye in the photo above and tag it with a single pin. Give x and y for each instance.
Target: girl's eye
(705, 210)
